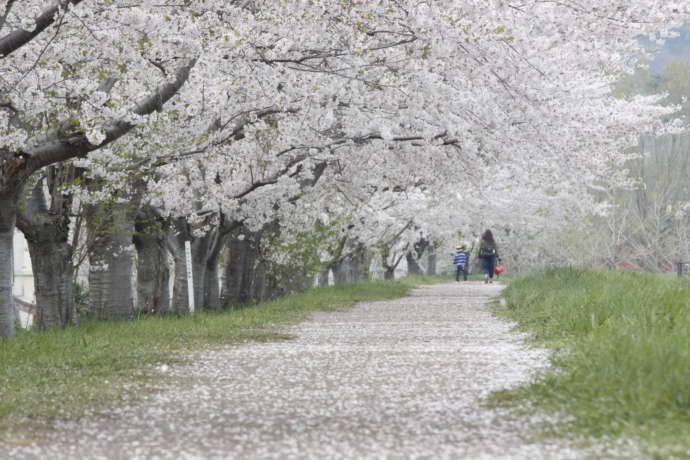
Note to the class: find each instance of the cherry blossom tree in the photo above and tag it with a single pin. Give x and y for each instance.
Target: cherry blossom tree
(234, 102)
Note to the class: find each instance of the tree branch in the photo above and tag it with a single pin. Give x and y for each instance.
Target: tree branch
(58, 148)
(8, 8)
(274, 178)
(20, 37)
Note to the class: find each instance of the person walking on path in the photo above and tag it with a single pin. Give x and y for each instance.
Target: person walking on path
(488, 253)
(460, 260)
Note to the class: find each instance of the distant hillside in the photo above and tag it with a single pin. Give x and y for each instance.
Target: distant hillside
(677, 47)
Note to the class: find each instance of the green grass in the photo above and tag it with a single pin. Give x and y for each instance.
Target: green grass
(622, 353)
(61, 373)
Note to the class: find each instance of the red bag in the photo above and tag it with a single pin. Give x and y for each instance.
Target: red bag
(499, 269)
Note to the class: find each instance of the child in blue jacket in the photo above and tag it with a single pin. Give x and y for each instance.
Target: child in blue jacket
(460, 260)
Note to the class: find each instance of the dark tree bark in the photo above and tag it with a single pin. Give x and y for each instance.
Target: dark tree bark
(351, 267)
(200, 251)
(413, 257)
(260, 285)
(51, 262)
(385, 252)
(206, 252)
(8, 215)
(249, 267)
(323, 277)
(212, 285)
(111, 260)
(342, 272)
(359, 262)
(212, 288)
(153, 274)
(363, 263)
(240, 263)
(389, 268)
(46, 229)
(431, 261)
(336, 264)
(20, 37)
(235, 258)
(413, 267)
(180, 298)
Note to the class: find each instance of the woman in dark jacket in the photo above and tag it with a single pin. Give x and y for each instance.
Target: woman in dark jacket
(488, 253)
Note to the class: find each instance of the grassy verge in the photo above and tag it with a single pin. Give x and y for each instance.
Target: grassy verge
(61, 373)
(622, 353)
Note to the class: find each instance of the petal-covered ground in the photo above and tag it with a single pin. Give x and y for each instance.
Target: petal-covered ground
(403, 378)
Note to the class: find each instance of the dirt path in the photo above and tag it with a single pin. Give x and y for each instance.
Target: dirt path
(394, 379)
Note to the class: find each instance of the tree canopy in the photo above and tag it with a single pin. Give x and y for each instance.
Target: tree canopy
(386, 118)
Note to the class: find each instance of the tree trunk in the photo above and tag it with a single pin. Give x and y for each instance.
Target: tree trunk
(360, 264)
(238, 274)
(341, 272)
(180, 299)
(111, 261)
(249, 267)
(46, 228)
(413, 267)
(276, 288)
(212, 286)
(389, 269)
(8, 215)
(200, 248)
(51, 262)
(260, 286)
(307, 282)
(389, 273)
(365, 273)
(205, 252)
(235, 258)
(323, 277)
(17, 166)
(431, 262)
(153, 274)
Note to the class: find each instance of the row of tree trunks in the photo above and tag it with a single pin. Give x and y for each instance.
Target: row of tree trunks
(250, 276)
(350, 269)
(246, 277)
(116, 228)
